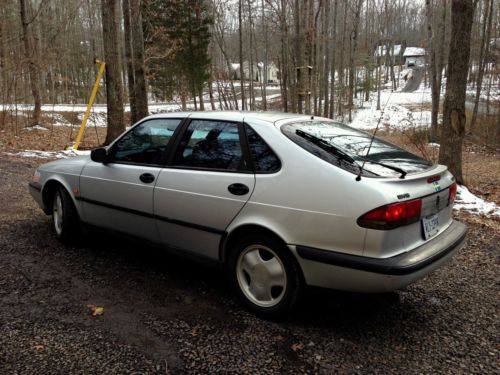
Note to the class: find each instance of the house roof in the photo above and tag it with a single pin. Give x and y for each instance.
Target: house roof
(414, 51)
(380, 51)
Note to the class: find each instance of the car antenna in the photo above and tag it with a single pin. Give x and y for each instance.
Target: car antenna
(358, 177)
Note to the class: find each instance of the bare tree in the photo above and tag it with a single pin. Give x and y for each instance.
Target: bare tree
(110, 24)
(354, 41)
(453, 128)
(432, 71)
(30, 54)
(127, 32)
(483, 56)
(140, 85)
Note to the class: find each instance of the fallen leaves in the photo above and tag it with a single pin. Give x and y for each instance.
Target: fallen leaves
(297, 346)
(96, 310)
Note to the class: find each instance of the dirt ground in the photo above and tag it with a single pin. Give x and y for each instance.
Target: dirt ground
(162, 314)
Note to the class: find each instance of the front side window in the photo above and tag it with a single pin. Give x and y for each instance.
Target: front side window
(211, 144)
(146, 143)
(350, 149)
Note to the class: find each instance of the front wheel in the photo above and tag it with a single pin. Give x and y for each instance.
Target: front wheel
(65, 221)
(264, 276)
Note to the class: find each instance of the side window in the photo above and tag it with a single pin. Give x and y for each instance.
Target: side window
(211, 145)
(264, 159)
(146, 143)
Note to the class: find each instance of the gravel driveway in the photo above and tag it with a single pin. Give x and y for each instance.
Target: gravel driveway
(163, 314)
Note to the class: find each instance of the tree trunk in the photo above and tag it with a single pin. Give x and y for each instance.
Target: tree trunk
(114, 94)
(354, 39)
(240, 41)
(326, 68)
(299, 61)
(284, 57)
(128, 60)
(483, 57)
(332, 66)
(442, 46)
(432, 73)
(341, 67)
(140, 85)
(30, 54)
(453, 128)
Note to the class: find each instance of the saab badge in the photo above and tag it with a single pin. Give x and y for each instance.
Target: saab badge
(436, 185)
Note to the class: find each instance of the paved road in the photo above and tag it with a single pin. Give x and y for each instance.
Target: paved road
(165, 313)
(414, 82)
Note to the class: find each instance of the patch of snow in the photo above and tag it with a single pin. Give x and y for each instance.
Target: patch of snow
(469, 202)
(434, 145)
(49, 154)
(35, 127)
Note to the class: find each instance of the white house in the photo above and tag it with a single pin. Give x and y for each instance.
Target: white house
(414, 56)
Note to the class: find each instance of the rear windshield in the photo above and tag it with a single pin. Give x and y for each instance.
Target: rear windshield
(350, 149)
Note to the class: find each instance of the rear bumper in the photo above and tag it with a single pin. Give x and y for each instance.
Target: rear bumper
(364, 274)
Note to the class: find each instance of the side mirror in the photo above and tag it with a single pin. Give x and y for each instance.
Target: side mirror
(99, 155)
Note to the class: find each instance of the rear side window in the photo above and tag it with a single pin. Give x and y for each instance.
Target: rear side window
(263, 157)
(349, 148)
(208, 144)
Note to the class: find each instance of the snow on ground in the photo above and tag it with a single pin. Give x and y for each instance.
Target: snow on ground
(49, 154)
(399, 110)
(35, 127)
(469, 202)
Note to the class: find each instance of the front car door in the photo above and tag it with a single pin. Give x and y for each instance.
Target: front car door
(206, 184)
(119, 194)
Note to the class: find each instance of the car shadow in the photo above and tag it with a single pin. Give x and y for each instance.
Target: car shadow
(156, 276)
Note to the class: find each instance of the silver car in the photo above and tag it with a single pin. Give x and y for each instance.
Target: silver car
(279, 200)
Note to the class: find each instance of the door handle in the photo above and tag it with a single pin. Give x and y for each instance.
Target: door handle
(147, 178)
(238, 189)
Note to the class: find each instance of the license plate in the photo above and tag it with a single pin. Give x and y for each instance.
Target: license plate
(431, 226)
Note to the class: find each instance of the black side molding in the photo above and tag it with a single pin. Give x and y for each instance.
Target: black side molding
(403, 264)
(152, 216)
(35, 185)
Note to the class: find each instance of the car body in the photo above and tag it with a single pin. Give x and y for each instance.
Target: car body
(280, 200)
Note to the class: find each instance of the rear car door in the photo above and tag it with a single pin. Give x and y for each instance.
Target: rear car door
(119, 194)
(205, 186)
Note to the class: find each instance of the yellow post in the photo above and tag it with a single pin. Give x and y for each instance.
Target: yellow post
(91, 102)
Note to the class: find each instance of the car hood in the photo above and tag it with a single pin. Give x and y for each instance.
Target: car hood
(73, 165)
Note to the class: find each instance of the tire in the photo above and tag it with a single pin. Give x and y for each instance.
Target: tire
(264, 276)
(65, 220)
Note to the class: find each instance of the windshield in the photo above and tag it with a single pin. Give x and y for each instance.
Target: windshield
(349, 148)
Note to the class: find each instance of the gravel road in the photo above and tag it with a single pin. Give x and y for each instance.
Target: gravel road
(163, 314)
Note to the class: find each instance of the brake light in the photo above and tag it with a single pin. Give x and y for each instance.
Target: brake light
(392, 215)
(453, 193)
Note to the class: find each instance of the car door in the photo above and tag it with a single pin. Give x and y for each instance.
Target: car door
(206, 184)
(118, 194)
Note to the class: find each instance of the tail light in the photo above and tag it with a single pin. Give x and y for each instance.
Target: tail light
(392, 215)
(453, 193)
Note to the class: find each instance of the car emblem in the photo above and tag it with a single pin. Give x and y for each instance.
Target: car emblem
(436, 185)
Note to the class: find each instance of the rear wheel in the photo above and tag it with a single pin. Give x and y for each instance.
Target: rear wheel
(65, 221)
(264, 276)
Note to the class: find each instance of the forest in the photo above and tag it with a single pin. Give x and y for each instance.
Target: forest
(321, 57)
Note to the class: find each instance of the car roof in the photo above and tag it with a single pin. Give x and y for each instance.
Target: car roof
(239, 116)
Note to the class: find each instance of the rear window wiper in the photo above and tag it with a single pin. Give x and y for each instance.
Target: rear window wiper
(325, 146)
(403, 172)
